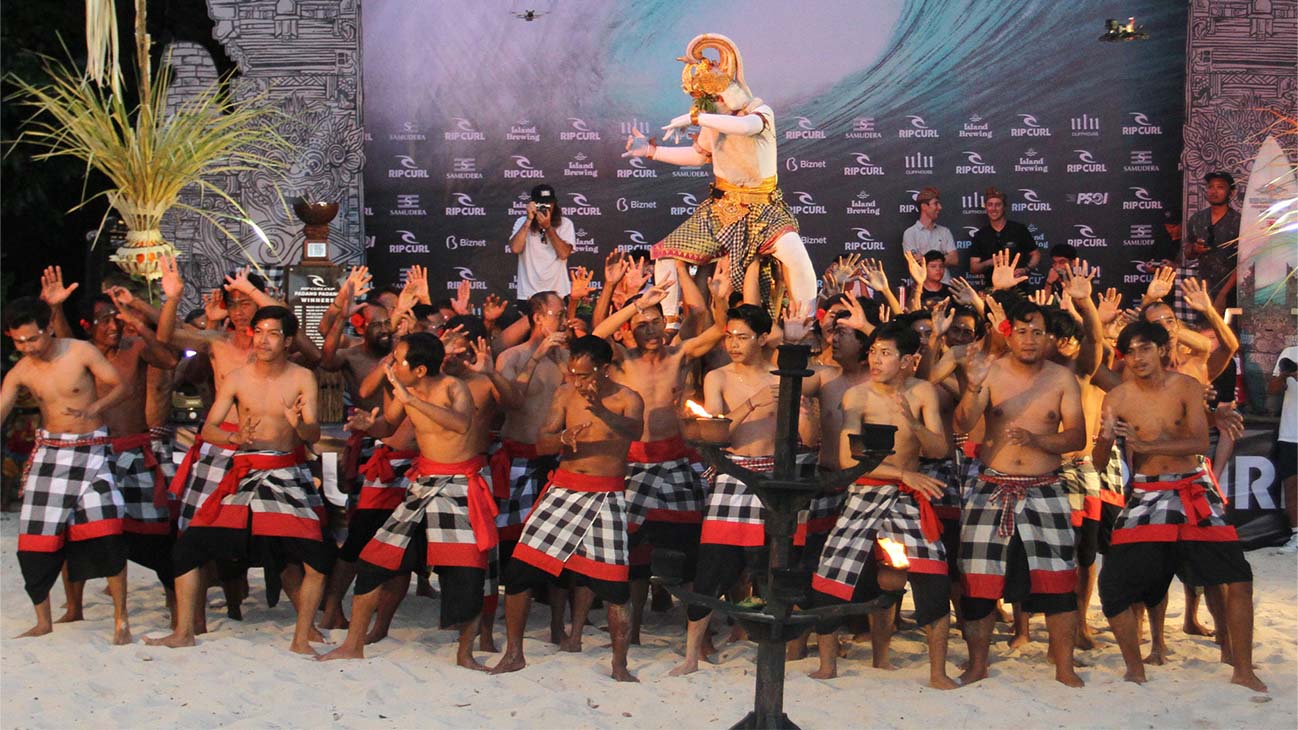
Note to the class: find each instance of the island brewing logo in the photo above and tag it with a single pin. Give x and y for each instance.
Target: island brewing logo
(1141, 161)
(580, 166)
(805, 130)
(581, 206)
(976, 165)
(863, 204)
(581, 132)
(793, 164)
(1086, 238)
(465, 274)
(1140, 126)
(409, 244)
(1029, 127)
(463, 132)
(976, 127)
(464, 205)
(1086, 162)
(407, 168)
(463, 168)
(918, 129)
(1142, 200)
(454, 243)
(410, 132)
(688, 204)
(806, 205)
(584, 243)
(1032, 202)
(918, 163)
(523, 131)
(863, 128)
(973, 203)
(518, 206)
(864, 241)
(864, 166)
(627, 204)
(1031, 161)
(1141, 234)
(1085, 126)
(523, 169)
(637, 168)
(408, 204)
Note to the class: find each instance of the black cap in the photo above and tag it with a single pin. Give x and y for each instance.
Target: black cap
(543, 194)
(1220, 175)
(1172, 214)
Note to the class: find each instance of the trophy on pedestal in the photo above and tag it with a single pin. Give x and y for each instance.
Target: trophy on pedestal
(311, 285)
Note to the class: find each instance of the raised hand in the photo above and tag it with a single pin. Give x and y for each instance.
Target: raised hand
(1110, 304)
(916, 267)
(568, 436)
(493, 308)
(214, 307)
(362, 420)
(417, 281)
(996, 313)
(1229, 421)
(1077, 281)
(173, 287)
(615, 267)
(638, 145)
(1161, 285)
(673, 130)
(581, 277)
(797, 322)
(831, 286)
(238, 281)
(637, 274)
(872, 272)
(399, 391)
(1196, 295)
(943, 317)
(461, 302)
(657, 292)
(856, 316)
(247, 430)
(53, 292)
(293, 411)
(719, 285)
(482, 361)
(977, 368)
(1042, 297)
(1003, 268)
(963, 292)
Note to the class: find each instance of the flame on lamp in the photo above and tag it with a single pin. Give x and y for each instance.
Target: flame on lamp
(697, 409)
(895, 553)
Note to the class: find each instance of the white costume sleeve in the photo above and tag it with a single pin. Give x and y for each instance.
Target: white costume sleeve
(748, 124)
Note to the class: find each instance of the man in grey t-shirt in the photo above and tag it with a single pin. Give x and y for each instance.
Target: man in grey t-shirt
(926, 235)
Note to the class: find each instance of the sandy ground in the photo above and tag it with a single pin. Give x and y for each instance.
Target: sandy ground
(241, 675)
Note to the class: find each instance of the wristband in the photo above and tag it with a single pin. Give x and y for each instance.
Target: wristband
(694, 116)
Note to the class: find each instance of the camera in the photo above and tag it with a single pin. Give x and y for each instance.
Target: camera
(544, 207)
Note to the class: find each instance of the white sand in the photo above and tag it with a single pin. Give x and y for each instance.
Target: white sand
(241, 675)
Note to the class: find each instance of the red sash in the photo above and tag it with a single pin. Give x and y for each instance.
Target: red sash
(144, 442)
(482, 507)
(929, 524)
(352, 455)
(242, 466)
(650, 452)
(1190, 491)
(182, 472)
(379, 466)
(501, 461)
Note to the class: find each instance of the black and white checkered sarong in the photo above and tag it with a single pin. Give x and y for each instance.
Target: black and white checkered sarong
(734, 515)
(135, 479)
(586, 532)
(69, 493)
(665, 491)
(1040, 517)
(438, 505)
(1162, 515)
(205, 476)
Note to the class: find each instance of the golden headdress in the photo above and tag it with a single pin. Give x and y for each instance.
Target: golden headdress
(703, 77)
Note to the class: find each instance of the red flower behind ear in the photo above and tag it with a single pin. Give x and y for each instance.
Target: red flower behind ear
(249, 331)
(820, 314)
(1117, 356)
(85, 325)
(358, 321)
(1005, 327)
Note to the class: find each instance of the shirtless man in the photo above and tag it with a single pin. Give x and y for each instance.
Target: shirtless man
(1174, 515)
(579, 524)
(665, 490)
(892, 502)
(744, 391)
(266, 504)
(1016, 536)
(445, 522)
(72, 509)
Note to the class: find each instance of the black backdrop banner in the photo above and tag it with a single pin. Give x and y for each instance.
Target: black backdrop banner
(466, 107)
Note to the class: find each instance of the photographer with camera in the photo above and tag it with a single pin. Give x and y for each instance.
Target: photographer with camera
(543, 241)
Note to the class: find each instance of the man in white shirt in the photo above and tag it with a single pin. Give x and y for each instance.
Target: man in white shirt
(543, 241)
(1285, 379)
(926, 235)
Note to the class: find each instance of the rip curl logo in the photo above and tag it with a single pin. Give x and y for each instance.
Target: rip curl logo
(864, 241)
(637, 168)
(637, 163)
(523, 169)
(582, 206)
(463, 131)
(317, 280)
(409, 244)
(1086, 162)
(1084, 231)
(464, 205)
(1030, 195)
(911, 206)
(465, 274)
(1141, 125)
(1143, 200)
(635, 237)
(975, 165)
(688, 205)
(1031, 201)
(806, 205)
(970, 231)
(1030, 121)
(806, 129)
(1086, 237)
(581, 132)
(1145, 272)
(917, 122)
(407, 168)
(918, 129)
(864, 166)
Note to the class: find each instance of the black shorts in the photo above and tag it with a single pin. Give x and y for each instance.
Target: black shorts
(682, 536)
(520, 577)
(719, 568)
(100, 557)
(154, 553)
(1088, 541)
(1018, 589)
(1285, 457)
(361, 528)
(951, 541)
(930, 592)
(1140, 572)
(1108, 516)
(199, 545)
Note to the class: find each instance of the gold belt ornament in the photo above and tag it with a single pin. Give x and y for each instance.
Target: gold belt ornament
(735, 200)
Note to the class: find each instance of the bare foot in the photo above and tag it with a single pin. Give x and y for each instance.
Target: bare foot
(487, 643)
(971, 675)
(689, 666)
(1018, 640)
(173, 640)
(1227, 656)
(571, 643)
(1248, 679)
(634, 638)
(823, 673)
(557, 636)
(661, 601)
(509, 663)
(346, 651)
(37, 630)
(234, 611)
(941, 681)
(706, 647)
(376, 635)
(1067, 676)
(122, 635)
(200, 623)
(315, 636)
(886, 665)
(470, 663)
(1084, 639)
(1136, 675)
(622, 675)
(738, 633)
(334, 621)
(1194, 628)
(794, 651)
(1157, 656)
(70, 616)
(303, 648)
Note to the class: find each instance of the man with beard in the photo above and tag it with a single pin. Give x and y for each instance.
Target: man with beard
(266, 509)
(1016, 538)
(1000, 234)
(1174, 516)
(1212, 239)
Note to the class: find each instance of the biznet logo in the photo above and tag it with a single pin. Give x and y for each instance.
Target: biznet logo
(918, 129)
(1140, 126)
(637, 168)
(464, 205)
(523, 131)
(864, 241)
(688, 205)
(976, 165)
(864, 166)
(582, 206)
(455, 243)
(806, 205)
(522, 169)
(465, 274)
(1032, 202)
(1140, 235)
(1085, 126)
(976, 127)
(627, 204)
(463, 132)
(793, 164)
(1029, 127)
(408, 204)
(1087, 198)
(409, 244)
(1086, 162)
(1142, 200)
(1086, 238)
(407, 168)
(1141, 161)
(805, 130)
(864, 204)
(973, 203)
(918, 163)
(581, 132)
(463, 168)
(1031, 161)
(580, 166)
(863, 128)
(410, 132)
